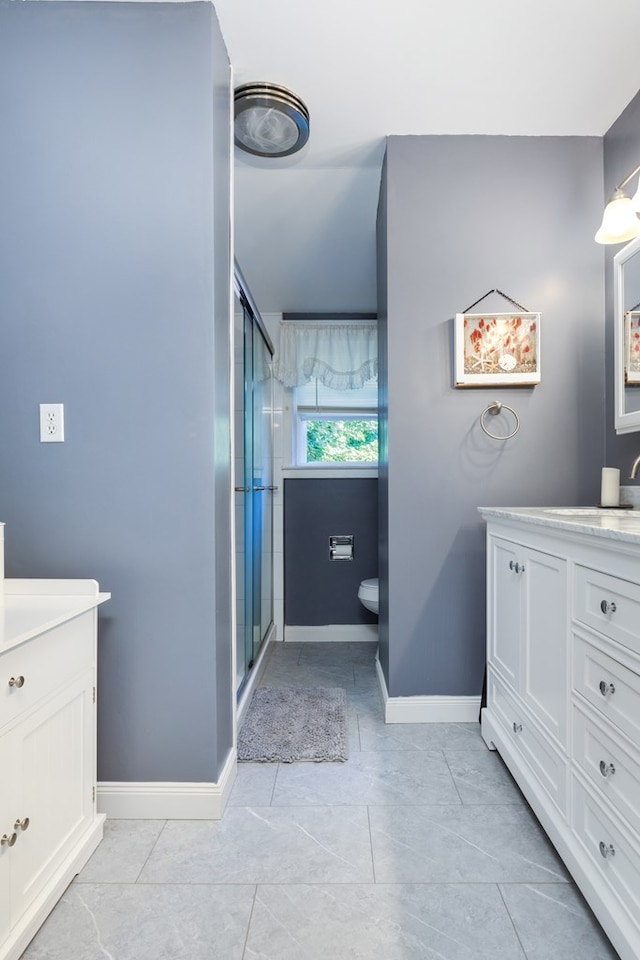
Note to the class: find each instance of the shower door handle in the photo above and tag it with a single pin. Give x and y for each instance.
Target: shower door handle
(259, 488)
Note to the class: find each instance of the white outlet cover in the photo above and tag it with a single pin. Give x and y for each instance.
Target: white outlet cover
(51, 423)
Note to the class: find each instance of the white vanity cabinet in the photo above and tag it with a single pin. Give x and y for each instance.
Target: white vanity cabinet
(48, 821)
(563, 693)
(527, 672)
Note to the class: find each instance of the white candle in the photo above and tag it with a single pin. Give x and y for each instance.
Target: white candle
(610, 487)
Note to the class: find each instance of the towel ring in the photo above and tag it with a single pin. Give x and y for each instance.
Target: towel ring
(494, 409)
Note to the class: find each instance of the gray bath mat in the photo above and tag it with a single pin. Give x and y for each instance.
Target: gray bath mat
(295, 723)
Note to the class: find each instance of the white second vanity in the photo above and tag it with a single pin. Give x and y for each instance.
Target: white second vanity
(48, 821)
(563, 691)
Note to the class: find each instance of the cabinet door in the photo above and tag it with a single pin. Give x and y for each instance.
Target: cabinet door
(7, 764)
(545, 672)
(505, 608)
(55, 745)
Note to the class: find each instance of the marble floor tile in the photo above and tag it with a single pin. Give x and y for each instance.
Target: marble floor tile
(136, 922)
(123, 852)
(290, 650)
(409, 777)
(482, 777)
(254, 785)
(440, 844)
(554, 922)
(315, 844)
(361, 653)
(365, 702)
(284, 673)
(377, 735)
(381, 922)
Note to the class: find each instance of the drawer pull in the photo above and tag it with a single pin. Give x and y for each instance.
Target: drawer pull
(8, 841)
(607, 769)
(16, 682)
(607, 849)
(608, 606)
(22, 824)
(517, 727)
(606, 688)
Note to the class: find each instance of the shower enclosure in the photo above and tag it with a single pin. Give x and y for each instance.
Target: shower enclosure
(253, 480)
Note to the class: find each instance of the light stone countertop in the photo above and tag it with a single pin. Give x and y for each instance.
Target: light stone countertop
(29, 608)
(610, 524)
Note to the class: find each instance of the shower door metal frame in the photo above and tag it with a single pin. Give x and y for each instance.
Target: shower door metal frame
(257, 489)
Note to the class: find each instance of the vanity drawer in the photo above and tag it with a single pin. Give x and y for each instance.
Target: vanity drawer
(610, 687)
(612, 768)
(609, 605)
(548, 766)
(611, 850)
(45, 663)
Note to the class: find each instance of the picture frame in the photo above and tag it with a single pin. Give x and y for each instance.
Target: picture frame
(497, 349)
(632, 348)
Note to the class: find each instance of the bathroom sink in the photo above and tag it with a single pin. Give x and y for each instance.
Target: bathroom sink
(587, 512)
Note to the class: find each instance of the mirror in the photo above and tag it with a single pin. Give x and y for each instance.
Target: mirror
(626, 280)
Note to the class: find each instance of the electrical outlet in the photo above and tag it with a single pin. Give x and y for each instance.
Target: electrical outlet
(51, 423)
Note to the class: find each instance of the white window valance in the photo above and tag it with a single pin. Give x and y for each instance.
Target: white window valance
(343, 356)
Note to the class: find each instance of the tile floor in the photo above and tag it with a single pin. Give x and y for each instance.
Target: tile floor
(420, 847)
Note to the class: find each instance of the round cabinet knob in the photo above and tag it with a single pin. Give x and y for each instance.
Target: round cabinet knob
(16, 682)
(606, 849)
(22, 824)
(608, 606)
(8, 841)
(517, 727)
(512, 564)
(607, 769)
(606, 688)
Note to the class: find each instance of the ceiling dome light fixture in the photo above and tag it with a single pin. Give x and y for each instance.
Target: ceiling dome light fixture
(270, 121)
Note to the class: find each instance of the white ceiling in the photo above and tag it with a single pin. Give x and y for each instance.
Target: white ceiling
(305, 225)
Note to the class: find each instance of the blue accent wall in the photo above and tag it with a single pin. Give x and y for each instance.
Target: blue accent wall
(459, 216)
(115, 301)
(317, 590)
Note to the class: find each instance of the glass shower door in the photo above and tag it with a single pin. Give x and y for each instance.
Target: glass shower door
(254, 508)
(262, 489)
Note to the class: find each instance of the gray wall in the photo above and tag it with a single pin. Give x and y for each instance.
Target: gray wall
(621, 156)
(115, 174)
(464, 215)
(319, 591)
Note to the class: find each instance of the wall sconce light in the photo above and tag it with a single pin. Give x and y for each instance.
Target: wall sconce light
(619, 220)
(270, 121)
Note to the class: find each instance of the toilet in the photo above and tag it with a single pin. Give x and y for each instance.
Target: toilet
(368, 594)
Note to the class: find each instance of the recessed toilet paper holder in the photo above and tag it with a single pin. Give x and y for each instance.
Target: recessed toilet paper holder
(341, 547)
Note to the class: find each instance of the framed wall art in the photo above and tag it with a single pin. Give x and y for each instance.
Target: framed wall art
(632, 347)
(497, 349)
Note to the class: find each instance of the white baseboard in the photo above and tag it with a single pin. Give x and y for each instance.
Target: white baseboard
(168, 801)
(427, 709)
(352, 632)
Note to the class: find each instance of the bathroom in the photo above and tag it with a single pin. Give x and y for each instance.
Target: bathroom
(436, 466)
(141, 503)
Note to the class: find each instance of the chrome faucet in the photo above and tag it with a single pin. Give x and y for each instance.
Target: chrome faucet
(634, 469)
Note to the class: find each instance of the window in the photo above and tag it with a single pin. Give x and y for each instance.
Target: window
(335, 426)
(330, 362)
